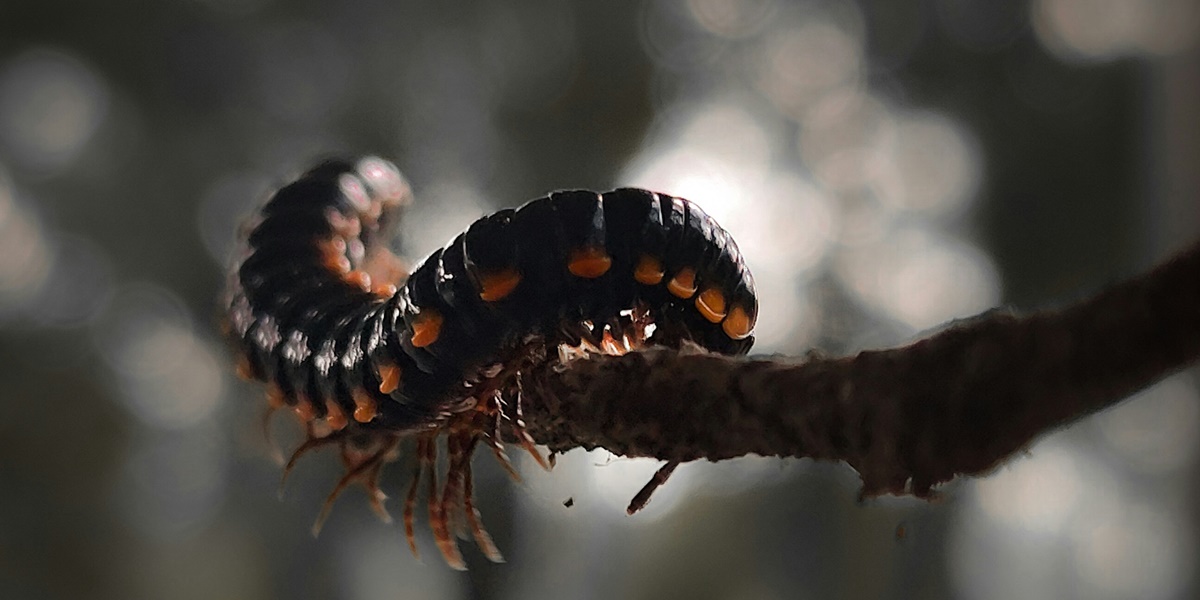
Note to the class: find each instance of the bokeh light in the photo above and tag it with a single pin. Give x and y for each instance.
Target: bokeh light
(1091, 30)
(920, 277)
(1041, 496)
(168, 376)
(373, 565)
(25, 253)
(845, 138)
(1139, 552)
(47, 279)
(821, 54)
(927, 165)
(733, 18)
(1157, 430)
(173, 484)
(50, 105)
(78, 287)
(720, 156)
(1063, 525)
(885, 167)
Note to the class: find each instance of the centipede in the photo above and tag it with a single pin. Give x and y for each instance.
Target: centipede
(373, 357)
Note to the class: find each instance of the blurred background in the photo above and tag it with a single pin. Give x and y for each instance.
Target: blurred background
(885, 165)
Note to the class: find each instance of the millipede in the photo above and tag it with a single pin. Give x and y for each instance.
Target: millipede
(368, 354)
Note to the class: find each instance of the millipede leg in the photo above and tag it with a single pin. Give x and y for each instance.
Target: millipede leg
(610, 344)
(437, 518)
(410, 500)
(377, 497)
(310, 444)
(643, 496)
(497, 448)
(482, 539)
(523, 436)
(450, 491)
(531, 448)
(351, 475)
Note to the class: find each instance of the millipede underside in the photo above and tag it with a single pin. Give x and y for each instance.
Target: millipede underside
(476, 416)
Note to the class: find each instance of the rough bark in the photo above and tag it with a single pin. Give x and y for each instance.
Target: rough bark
(957, 402)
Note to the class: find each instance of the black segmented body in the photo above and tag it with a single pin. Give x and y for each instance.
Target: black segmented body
(306, 324)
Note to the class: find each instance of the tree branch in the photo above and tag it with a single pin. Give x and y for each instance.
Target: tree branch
(958, 402)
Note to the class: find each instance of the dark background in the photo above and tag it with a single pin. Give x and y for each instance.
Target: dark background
(885, 166)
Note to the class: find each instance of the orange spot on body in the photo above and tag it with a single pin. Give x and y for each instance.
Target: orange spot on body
(365, 407)
(335, 245)
(589, 263)
(360, 279)
(354, 190)
(683, 284)
(649, 270)
(389, 378)
(738, 324)
(341, 265)
(335, 416)
(426, 329)
(305, 410)
(349, 227)
(498, 285)
(711, 304)
(334, 256)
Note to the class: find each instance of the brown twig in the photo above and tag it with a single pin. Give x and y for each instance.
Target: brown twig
(958, 402)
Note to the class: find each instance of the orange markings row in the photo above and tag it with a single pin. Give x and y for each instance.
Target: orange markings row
(649, 270)
(738, 324)
(365, 407)
(304, 409)
(349, 227)
(711, 304)
(389, 378)
(335, 416)
(426, 329)
(384, 290)
(683, 284)
(589, 262)
(334, 255)
(498, 285)
(360, 279)
(352, 187)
